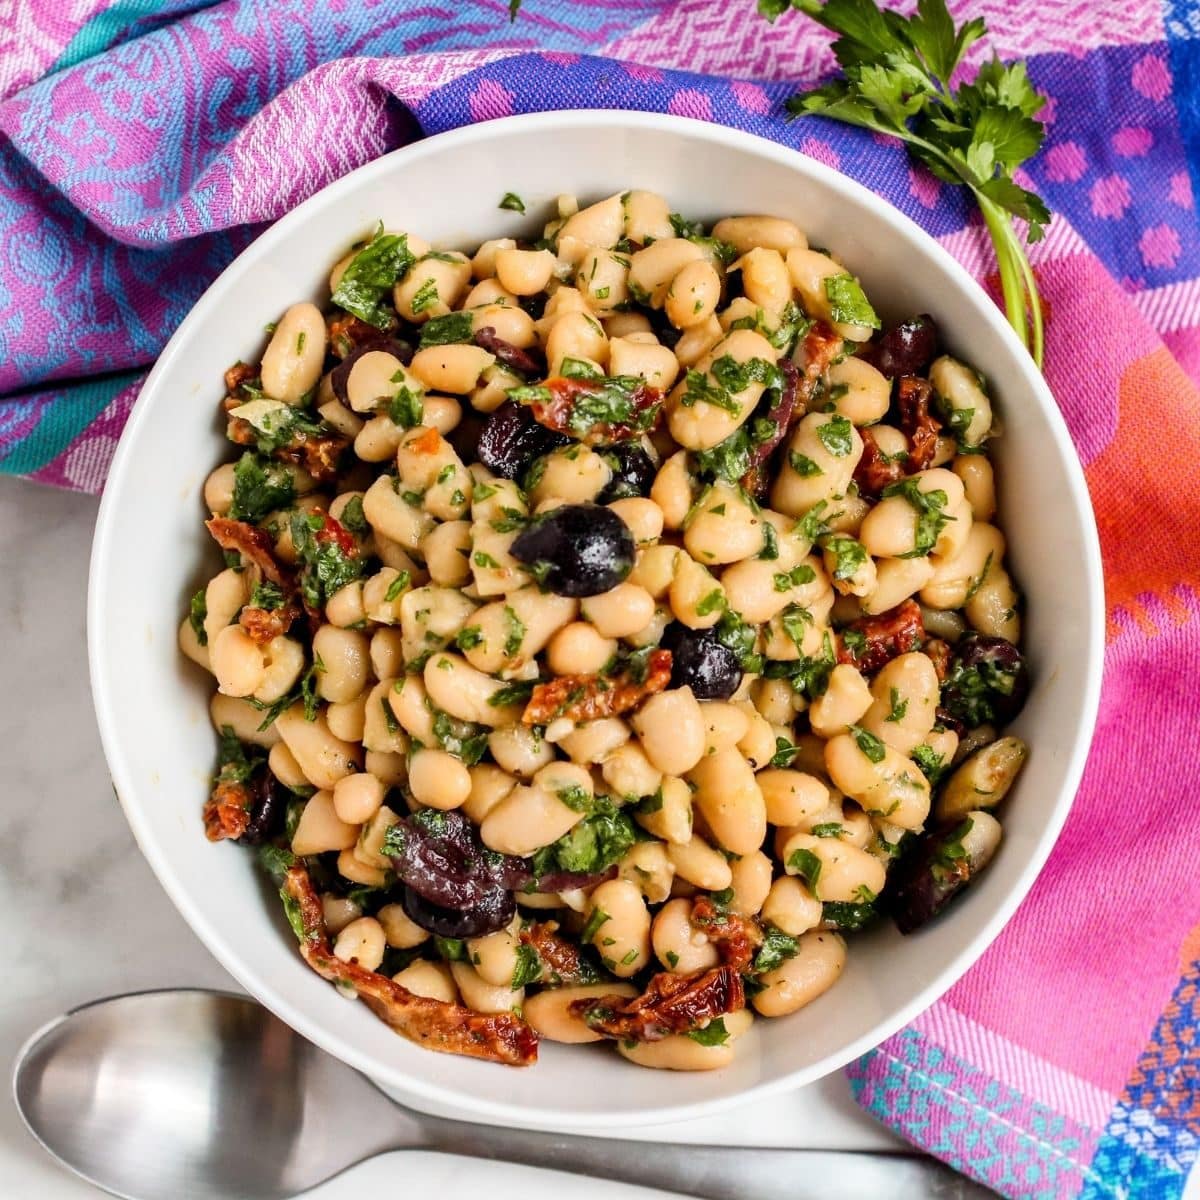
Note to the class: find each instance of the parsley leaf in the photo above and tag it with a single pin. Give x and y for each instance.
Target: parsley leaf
(869, 744)
(931, 514)
(777, 947)
(453, 327)
(898, 80)
(197, 611)
(848, 303)
(713, 1034)
(528, 968)
(837, 436)
(259, 487)
(325, 567)
(367, 282)
(511, 202)
(849, 556)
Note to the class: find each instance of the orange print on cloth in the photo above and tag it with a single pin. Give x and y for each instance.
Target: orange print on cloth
(1143, 486)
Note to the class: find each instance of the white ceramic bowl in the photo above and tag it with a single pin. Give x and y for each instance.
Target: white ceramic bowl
(150, 554)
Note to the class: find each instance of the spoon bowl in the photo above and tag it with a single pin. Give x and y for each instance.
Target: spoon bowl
(198, 1095)
(192, 1095)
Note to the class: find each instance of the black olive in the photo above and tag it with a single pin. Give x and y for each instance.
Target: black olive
(268, 810)
(633, 472)
(987, 682)
(511, 439)
(492, 911)
(906, 349)
(700, 661)
(577, 550)
(524, 361)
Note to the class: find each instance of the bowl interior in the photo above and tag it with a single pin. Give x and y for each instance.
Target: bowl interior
(150, 555)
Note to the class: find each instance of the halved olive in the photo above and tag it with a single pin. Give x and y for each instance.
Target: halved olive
(577, 550)
(511, 439)
(700, 660)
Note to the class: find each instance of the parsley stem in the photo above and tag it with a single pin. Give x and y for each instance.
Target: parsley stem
(1021, 300)
(1036, 316)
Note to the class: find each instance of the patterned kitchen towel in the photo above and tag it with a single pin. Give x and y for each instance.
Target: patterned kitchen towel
(144, 144)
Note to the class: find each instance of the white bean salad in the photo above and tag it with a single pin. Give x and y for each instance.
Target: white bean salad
(612, 625)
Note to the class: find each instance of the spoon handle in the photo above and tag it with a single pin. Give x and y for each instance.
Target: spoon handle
(713, 1172)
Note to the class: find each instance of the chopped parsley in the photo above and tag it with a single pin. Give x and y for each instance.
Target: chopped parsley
(828, 829)
(402, 581)
(713, 1034)
(592, 925)
(849, 556)
(511, 202)
(837, 436)
(453, 327)
(593, 845)
(777, 947)
(426, 297)
(353, 517)
(325, 568)
(714, 601)
(848, 915)
(260, 487)
(808, 866)
(931, 515)
(197, 611)
(236, 761)
(898, 707)
(868, 743)
(735, 634)
(516, 631)
(610, 401)
(463, 739)
(407, 407)
(528, 968)
(517, 692)
(930, 761)
(848, 303)
(785, 753)
(267, 595)
(798, 576)
(803, 465)
(469, 638)
(371, 275)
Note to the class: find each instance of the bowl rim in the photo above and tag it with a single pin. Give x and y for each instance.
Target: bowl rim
(124, 461)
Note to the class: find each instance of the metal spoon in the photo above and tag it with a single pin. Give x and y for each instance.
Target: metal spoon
(193, 1095)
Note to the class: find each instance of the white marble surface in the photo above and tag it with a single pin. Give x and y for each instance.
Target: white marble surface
(86, 918)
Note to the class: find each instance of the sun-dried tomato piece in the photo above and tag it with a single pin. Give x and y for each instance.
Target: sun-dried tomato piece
(599, 411)
(735, 938)
(587, 697)
(256, 544)
(347, 332)
(334, 531)
(870, 642)
(919, 424)
(560, 958)
(525, 361)
(876, 470)
(227, 811)
(265, 624)
(670, 1004)
(821, 346)
(238, 374)
(434, 1024)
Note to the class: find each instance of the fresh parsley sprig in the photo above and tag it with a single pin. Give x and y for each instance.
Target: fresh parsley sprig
(897, 80)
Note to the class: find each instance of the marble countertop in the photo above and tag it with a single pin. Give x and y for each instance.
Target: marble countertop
(85, 917)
